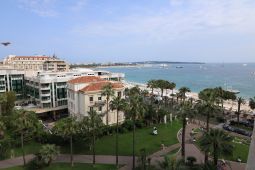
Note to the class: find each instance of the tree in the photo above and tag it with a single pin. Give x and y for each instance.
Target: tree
(240, 101)
(7, 102)
(217, 142)
(183, 91)
(48, 153)
(25, 122)
(185, 112)
(207, 107)
(171, 86)
(135, 110)
(108, 92)
(162, 84)
(2, 129)
(94, 123)
(117, 104)
(252, 103)
(170, 163)
(67, 128)
(152, 84)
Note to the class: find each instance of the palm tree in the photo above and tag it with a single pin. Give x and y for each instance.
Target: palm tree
(135, 110)
(171, 86)
(48, 153)
(252, 103)
(152, 84)
(108, 92)
(24, 122)
(94, 122)
(240, 101)
(162, 84)
(183, 91)
(117, 104)
(185, 112)
(217, 142)
(67, 128)
(208, 108)
(171, 163)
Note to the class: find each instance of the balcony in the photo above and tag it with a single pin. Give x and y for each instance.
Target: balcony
(99, 103)
(45, 94)
(46, 101)
(45, 88)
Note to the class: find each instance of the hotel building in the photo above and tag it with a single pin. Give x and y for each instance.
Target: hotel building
(36, 63)
(85, 94)
(48, 90)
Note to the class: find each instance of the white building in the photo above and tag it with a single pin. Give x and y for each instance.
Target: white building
(85, 94)
(12, 80)
(48, 90)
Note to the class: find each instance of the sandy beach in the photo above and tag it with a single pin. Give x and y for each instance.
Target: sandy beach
(228, 105)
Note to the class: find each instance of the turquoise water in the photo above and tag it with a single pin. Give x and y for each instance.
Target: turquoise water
(197, 77)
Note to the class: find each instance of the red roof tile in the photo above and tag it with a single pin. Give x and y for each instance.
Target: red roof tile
(85, 79)
(99, 85)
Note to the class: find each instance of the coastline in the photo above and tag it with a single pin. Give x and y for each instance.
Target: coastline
(228, 105)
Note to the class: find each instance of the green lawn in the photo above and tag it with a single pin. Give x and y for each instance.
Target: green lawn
(241, 151)
(106, 145)
(77, 166)
(144, 139)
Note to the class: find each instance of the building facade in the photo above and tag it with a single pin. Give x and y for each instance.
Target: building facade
(85, 94)
(36, 63)
(49, 89)
(12, 80)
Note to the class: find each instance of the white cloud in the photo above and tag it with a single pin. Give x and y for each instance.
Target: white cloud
(194, 17)
(43, 8)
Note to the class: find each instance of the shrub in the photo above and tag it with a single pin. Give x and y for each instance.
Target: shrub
(191, 160)
(128, 124)
(139, 123)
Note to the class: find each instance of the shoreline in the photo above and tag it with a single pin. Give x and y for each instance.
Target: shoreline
(228, 105)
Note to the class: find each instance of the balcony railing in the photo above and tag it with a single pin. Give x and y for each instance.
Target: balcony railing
(99, 103)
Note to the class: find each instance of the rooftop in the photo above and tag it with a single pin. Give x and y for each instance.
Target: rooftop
(97, 86)
(85, 79)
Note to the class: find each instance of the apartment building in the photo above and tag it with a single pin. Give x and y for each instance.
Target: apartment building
(12, 80)
(85, 94)
(55, 65)
(48, 90)
(36, 63)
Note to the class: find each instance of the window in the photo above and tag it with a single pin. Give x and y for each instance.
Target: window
(119, 94)
(100, 98)
(90, 108)
(91, 99)
(100, 108)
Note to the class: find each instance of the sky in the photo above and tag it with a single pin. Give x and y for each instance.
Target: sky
(82, 31)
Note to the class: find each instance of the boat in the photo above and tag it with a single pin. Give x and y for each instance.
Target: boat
(163, 65)
(179, 66)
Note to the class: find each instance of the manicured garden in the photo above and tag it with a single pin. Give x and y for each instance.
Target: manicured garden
(240, 151)
(144, 139)
(77, 166)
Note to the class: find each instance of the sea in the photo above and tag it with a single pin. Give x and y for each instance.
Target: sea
(232, 76)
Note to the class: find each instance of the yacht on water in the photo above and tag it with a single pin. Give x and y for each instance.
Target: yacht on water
(163, 65)
(179, 66)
